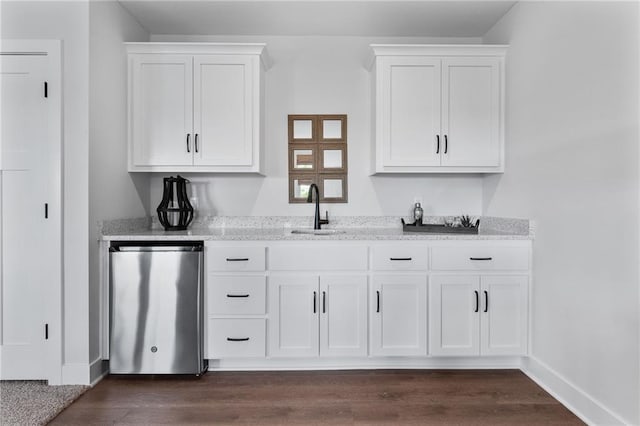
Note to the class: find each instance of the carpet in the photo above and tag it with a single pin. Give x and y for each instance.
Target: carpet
(33, 402)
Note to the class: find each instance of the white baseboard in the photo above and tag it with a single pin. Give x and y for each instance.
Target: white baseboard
(83, 374)
(365, 363)
(97, 371)
(76, 374)
(571, 396)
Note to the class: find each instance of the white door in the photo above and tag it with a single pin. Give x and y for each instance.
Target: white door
(26, 270)
(471, 112)
(504, 315)
(161, 119)
(410, 102)
(293, 316)
(343, 315)
(454, 315)
(399, 315)
(223, 109)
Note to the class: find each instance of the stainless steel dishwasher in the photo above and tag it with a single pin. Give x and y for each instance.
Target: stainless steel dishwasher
(156, 314)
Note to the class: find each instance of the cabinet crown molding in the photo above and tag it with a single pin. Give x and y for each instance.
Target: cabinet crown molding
(458, 50)
(259, 49)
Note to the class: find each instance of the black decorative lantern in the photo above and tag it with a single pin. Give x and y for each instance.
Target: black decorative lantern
(175, 211)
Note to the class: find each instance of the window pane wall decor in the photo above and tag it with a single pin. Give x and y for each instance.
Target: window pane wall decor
(318, 154)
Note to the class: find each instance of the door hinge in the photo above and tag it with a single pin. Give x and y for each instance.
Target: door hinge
(46, 89)
(46, 210)
(46, 332)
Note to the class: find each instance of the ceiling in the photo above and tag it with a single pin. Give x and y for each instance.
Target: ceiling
(390, 18)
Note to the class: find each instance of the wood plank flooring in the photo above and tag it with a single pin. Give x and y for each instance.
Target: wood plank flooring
(389, 397)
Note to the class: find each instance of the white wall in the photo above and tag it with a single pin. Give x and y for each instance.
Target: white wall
(572, 166)
(324, 75)
(67, 21)
(113, 193)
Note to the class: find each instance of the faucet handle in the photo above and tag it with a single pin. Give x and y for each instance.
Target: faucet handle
(325, 221)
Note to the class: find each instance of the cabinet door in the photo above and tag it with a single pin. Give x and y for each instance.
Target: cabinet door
(224, 87)
(471, 112)
(504, 315)
(399, 315)
(454, 318)
(409, 111)
(161, 110)
(343, 315)
(293, 316)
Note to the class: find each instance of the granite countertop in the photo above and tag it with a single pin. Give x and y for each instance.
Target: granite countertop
(279, 229)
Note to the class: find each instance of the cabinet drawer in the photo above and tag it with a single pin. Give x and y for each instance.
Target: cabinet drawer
(235, 258)
(401, 258)
(480, 258)
(318, 258)
(236, 338)
(229, 295)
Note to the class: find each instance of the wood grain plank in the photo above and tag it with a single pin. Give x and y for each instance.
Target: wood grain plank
(435, 397)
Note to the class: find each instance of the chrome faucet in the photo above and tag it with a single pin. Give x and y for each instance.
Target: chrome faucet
(317, 222)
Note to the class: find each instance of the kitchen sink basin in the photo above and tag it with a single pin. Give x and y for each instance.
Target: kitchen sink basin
(317, 231)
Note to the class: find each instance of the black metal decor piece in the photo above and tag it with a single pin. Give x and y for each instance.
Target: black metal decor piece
(175, 211)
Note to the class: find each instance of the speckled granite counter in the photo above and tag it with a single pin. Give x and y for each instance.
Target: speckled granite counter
(276, 228)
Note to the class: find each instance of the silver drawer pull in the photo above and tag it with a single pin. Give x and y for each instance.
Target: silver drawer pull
(399, 258)
(480, 258)
(237, 339)
(237, 259)
(237, 295)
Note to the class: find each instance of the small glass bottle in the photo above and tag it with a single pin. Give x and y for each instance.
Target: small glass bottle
(417, 214)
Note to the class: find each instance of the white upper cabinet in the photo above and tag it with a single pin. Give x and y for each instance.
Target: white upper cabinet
(161, 110)
(196, 107)
(438, 108)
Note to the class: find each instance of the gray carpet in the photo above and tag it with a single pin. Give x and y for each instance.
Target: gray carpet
(32, 402)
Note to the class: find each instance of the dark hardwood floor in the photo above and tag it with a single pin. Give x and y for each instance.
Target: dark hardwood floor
(390, 397)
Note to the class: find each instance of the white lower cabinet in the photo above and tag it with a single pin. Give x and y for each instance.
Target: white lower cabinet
(311, 315)
(399, 315)
(478, 315)
(269, 302)
(236, 338)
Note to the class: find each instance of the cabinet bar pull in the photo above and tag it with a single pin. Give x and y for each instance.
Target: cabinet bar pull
(314, 302)
(446, 144)
(399, 258)
(237, 259)
(486, 300)
(324, 302)
(481, 258)
(437, 144)
(188, 142)
(237, 295)
(477, 301)
(377, 301)
(237, 339)
(195, 142)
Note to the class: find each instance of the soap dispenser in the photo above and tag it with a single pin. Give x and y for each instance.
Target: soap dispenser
(417, 214)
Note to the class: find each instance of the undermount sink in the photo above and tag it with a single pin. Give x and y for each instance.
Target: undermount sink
(317, 231)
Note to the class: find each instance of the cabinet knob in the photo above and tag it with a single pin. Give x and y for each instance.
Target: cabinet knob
(188, 142)
(437, 144)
